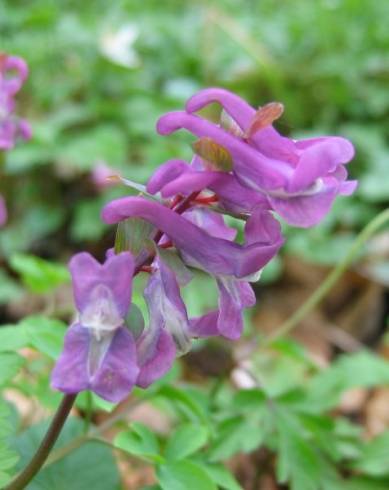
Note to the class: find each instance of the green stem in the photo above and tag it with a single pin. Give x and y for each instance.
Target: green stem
(331, 279)
(24, 477)
(88, 411)
(63, 451)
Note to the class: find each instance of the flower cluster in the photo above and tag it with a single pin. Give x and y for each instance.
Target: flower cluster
(241, 167)
(13, 73)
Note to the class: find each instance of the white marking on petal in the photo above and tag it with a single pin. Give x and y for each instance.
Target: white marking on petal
(101, 314)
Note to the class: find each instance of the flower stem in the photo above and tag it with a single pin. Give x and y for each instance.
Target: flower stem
(331, 279)
(24, 477)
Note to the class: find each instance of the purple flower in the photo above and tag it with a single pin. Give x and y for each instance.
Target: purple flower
(299, 178)
(204, 242)
(13, 73)
(178, 177)
(214, 255)
(168, 332)
(99, 351)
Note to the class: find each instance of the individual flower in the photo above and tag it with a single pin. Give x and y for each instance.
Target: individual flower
(99, 351)
(206, 243)
(13, 73)
(168, 331)
(300, 179)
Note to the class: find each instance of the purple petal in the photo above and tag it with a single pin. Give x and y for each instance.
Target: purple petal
(236, 107)
(166, 307)
(114, 371)
(234, 297)
(211, 222)
(306, 210)
(205, 325)
(116, 274)
(268, 141)
(12, 84)
(190, 181)
(165, 173)
(251, 167)
(70, 373)
(118, 372)
(235, 197)
(156, 356)
(215, 255)
(318, 160)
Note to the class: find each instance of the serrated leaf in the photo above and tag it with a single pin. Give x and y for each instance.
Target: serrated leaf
(139, 441)
(236, 435)
(298, 461)
(186, 440)
(215, 156)
(374, 457)
(184, 475)
(361, 369)
(185, 399)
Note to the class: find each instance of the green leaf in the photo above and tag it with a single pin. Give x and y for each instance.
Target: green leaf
(44, 334)
(139, 441)
(10, 363)
(92, 465)
(221, 476)
(10, 290)
(12, 338)
(8, 458)
(186, 400)
(184, 475)
(84, 149)
(299, 462)
(361, 369)
(236, 435)
(39, 275)
(374, 457)
(186, 440)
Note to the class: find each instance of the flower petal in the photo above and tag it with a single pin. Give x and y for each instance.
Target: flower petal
(319, 159)
(268, 141)
(116, 274)
(166, 173)
(70, 373)
(251, 167)
(215, 255)
(234, 297)
(205, 325)
(118, 371)
(211, 222)
(156, 354)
